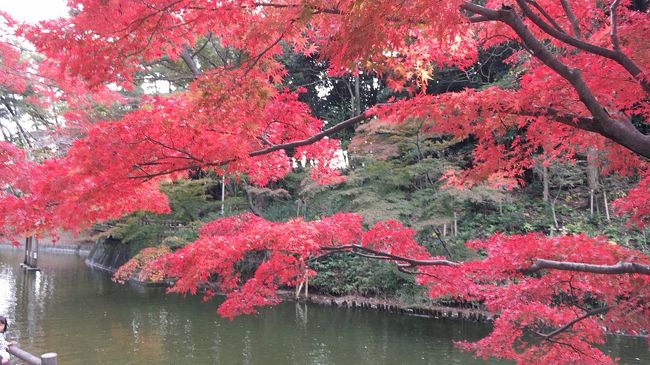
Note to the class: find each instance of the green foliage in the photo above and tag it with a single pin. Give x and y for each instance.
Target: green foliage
(190, 200)
(346, 274)
(191, 206)
(330, 98)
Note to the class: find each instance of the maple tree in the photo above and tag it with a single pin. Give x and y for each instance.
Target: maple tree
(16, 98)
(579, 80)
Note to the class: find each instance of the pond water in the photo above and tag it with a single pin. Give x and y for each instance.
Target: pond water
(82, 315)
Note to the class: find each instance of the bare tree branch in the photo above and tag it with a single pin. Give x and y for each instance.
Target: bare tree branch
(334, 11)
(621, 267)
(575, 24)
(486, 13)
(479, 19)
(189, 155)
(387, 256)
(316, 137)
(539, 264)
(570, 324)
(546, 15)
(443, 242)
(573, 120)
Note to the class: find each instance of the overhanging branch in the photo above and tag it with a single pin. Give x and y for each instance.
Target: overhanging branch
(274, 147)
(570, 324)
(621, 131)
(621, 267)
(315, 138)
(575, 24)
(546, 15)
(615, 55)
(573, 120)
(539, 264)
(374, 254)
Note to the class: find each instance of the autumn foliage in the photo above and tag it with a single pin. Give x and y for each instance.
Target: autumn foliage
(139, 265)
(578, 80)
(532, 303)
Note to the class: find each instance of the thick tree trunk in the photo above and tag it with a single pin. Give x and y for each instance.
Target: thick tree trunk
(251, 202)
(624, 133)
(617, 128)
(186, 56)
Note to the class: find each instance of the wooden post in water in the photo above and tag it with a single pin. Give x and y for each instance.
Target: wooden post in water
(48, 359)
(306, 286)
(31, 253)
(298, 288)
(28, 245)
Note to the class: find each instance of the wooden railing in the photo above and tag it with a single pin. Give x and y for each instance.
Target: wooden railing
(45, 359)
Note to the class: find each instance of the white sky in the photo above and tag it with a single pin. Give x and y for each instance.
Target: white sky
(34, 10)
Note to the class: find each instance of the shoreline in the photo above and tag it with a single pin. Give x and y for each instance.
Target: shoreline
(388, 305)
(385, 305)
(63, 242)
(67, 249)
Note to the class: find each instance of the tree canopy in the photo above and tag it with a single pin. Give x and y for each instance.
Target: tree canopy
(577, 80)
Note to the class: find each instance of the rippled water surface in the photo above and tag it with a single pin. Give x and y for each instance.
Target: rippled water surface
(87, 319)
